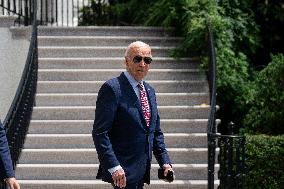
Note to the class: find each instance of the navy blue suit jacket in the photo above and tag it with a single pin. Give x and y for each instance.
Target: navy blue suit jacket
(6, 167)
(120, 133)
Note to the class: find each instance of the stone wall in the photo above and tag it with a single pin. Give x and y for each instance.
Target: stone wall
(13, 54)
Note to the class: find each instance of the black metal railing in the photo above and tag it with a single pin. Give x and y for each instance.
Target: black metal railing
(23, 9)
(231, 147)
(50, 12)
(211, 128)
(18, 117)
(67, 12)
(232, 159)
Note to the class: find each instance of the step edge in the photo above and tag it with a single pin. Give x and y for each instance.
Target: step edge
(90, 135)
(91, 121)
(26, 150)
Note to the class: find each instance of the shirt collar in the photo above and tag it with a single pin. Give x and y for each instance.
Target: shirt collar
(131, 79)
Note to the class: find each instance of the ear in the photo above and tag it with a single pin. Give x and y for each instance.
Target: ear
(126, 61)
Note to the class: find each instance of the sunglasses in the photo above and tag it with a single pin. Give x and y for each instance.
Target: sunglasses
(137, 59)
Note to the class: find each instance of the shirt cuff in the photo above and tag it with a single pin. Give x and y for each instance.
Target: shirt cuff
(112, 170)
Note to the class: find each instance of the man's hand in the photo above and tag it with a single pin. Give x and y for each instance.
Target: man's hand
(12, 183)
(166, 168)
(119, 178)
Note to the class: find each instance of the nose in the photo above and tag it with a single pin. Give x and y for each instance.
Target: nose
(142, 63)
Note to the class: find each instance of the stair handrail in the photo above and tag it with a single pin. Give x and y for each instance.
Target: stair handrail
(18, 117)
(232, 147)
(211, 127)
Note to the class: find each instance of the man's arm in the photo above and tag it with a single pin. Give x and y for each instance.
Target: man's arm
(5, 157)
(106, 107)
(7, 172)
(159, 149)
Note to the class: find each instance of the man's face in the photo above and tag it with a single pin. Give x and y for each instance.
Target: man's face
(138, 70)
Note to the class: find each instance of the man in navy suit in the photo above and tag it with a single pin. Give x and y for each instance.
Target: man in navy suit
(6, 167)
(127, 128)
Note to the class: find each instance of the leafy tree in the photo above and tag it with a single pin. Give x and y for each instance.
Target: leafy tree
(266, 114)
(234, 29)
(98, 13)
(269, 15)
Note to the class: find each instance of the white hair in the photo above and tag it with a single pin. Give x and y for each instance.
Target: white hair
(135, 44)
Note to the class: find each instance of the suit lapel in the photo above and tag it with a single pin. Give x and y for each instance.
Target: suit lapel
(128, 90)
(132, 96)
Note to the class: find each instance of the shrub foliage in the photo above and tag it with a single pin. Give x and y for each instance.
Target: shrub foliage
(266, 114)
(264, 162)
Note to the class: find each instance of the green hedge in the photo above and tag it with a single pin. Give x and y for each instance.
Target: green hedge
(264, 162)
(266, 115)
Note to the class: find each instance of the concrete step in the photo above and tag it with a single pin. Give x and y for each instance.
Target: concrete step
(106, 74)
(74, 62)
(90, 51)
(88, 112)
(160, 86)
(62, 141)
(81, 156)
(86, 126)
(105, 40)
(101, 31)
(89, 171)
(97, 184)
(89, 99)
(114, 63)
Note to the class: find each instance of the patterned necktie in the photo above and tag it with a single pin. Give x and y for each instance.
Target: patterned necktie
(145, 104)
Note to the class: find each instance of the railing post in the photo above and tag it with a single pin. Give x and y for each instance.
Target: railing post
(52, 12)
(78, 11)
(72, 15)
(41, 12)
(46, 11)
(231, 158)
(56, 12)
(14, 5)
(240, 169)
(26, 17)
(31, 11)
(211, 160)
(9, 5)
(67, 13)
(2, 4)
(62, 12)
(231, 127)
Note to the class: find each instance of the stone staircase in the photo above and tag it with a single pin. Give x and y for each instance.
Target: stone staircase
(73, 63)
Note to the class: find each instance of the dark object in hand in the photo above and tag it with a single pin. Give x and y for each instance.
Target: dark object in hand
(169, 177)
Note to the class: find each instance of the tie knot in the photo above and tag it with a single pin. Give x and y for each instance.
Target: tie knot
(140, 86)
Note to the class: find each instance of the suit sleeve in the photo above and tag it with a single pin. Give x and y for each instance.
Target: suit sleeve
(106, 107)
(159, 147)
(6, 167)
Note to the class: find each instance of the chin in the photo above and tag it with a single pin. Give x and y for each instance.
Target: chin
(138, 79)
